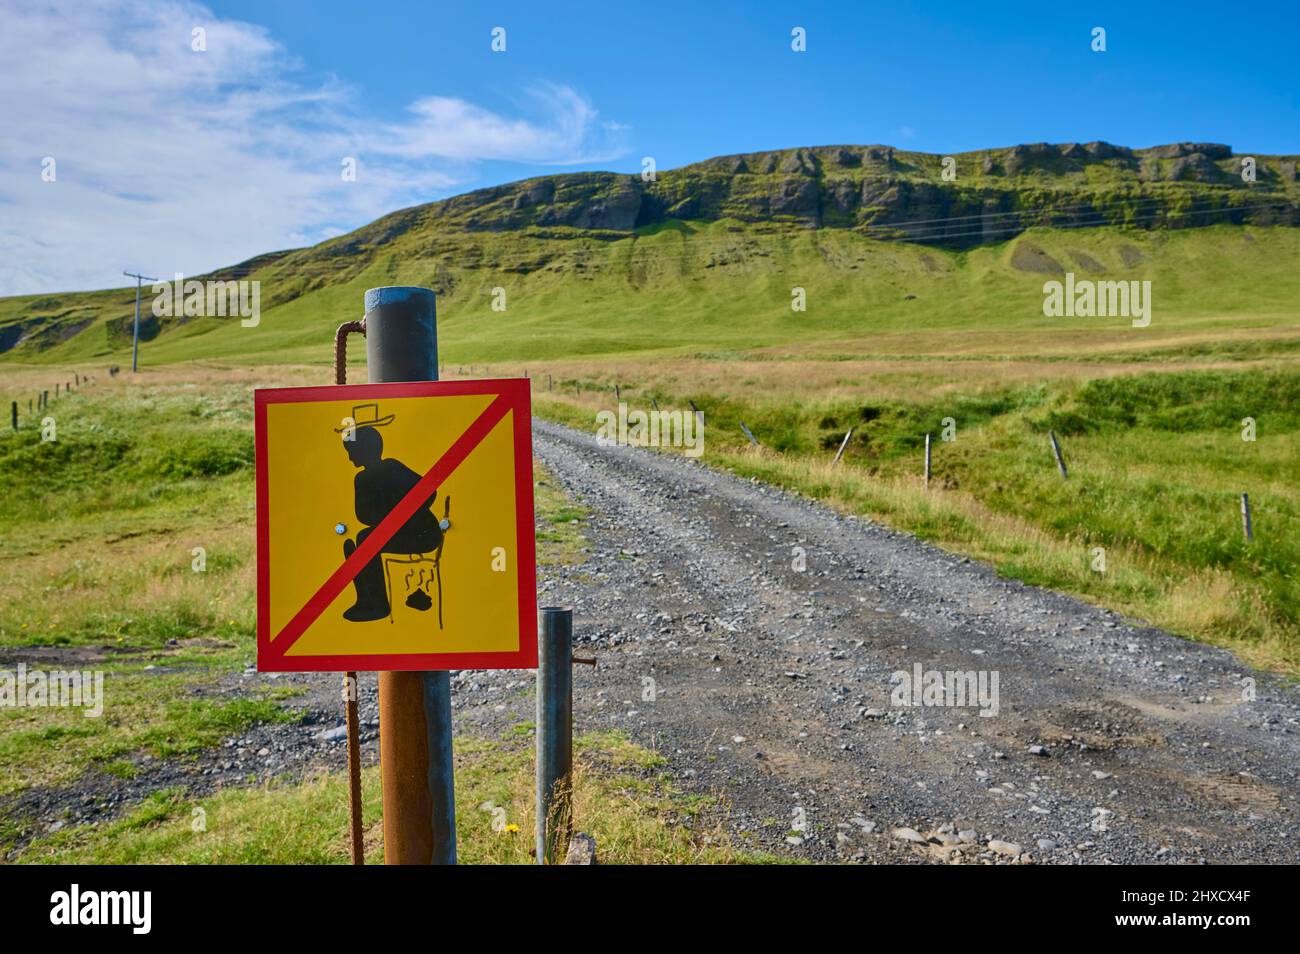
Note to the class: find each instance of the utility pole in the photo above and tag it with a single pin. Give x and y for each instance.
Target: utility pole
(135, 336)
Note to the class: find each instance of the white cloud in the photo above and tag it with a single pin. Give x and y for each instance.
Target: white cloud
(173, 160)
(454, 129)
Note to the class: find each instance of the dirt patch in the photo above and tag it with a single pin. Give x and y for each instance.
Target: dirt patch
(1030, 258)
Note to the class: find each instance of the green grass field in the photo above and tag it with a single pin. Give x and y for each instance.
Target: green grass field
(895, 338)
(621, 798)
(1156, 463)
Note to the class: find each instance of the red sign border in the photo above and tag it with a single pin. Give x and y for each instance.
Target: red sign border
(518, 393)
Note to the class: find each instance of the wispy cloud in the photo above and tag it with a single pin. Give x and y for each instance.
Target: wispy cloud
(168, 159)
(454, 129)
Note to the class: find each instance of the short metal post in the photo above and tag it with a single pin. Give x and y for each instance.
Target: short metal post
(752, 439)
(415, 760)
(554, 735)
(1060, 461)
(927, 461)
(1245, 519)
(843, 444)
(15, 415)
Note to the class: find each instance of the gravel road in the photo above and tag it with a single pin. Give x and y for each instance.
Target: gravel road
(1112, 743)
(762, 673)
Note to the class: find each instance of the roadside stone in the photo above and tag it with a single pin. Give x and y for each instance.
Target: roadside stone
(582, 850)
(1007, 848)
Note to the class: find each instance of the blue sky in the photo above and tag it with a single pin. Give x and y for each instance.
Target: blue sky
(174, 159)
(699, 79)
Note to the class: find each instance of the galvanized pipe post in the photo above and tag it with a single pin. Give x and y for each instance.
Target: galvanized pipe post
(843, 444)
(554, 734)
(1056, 451)
(415, 762)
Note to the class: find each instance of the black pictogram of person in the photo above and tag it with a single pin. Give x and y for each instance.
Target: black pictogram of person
(379, 487)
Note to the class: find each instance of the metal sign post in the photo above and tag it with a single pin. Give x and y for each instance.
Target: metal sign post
(415, 761)
(554, 735)
(350, 553)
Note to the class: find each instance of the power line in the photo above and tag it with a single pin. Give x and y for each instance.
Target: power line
(1137, 200)
(1098, 220)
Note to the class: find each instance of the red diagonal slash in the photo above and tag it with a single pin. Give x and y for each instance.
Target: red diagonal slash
(397, 517)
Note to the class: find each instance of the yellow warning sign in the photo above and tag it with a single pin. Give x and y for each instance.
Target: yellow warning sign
(395, 527)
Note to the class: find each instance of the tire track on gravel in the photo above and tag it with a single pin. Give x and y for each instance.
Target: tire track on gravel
(773, 686)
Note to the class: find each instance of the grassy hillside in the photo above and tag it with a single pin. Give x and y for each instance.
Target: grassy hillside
(702, 288)
(705, 257)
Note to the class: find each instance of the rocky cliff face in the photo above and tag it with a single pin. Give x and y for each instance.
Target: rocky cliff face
(987, 196)
(876, 192)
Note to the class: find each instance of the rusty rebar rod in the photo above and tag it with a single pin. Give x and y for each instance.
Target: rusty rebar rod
(350, 687)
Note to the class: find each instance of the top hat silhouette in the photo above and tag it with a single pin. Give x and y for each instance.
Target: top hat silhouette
(366, 415)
